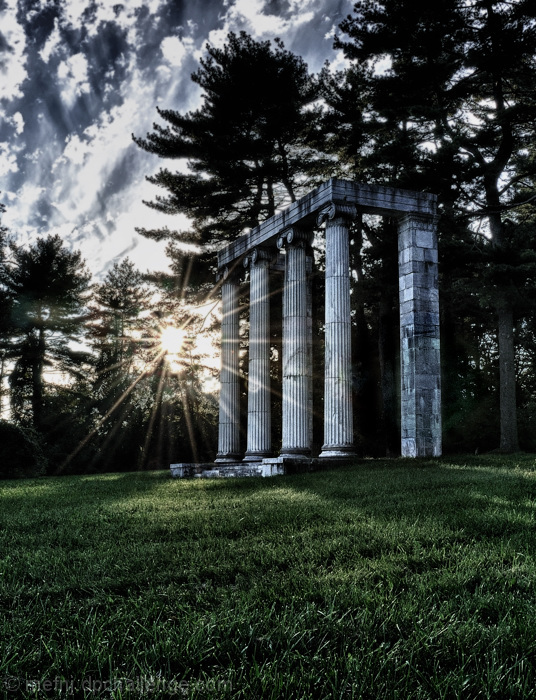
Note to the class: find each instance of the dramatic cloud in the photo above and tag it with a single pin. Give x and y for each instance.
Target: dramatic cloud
(79, 76)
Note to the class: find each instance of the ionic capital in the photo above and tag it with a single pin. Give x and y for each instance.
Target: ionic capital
(258, 256)
(336, 210)
(227, 274)
(295, 236)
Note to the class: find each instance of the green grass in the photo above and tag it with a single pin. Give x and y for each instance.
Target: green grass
(387, 579)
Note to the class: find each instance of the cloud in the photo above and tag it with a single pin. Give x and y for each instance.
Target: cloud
(12, 52)
(73, 78)
(53, 44)
(79, 76)
(8, 160)
(305, 26)
(174, 50)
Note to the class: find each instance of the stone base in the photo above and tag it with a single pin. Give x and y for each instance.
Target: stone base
(272, 466)
(338, 455)
(256, 457)
(227, 459)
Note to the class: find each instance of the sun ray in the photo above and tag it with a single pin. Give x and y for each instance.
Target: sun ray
(154, 412)
(172, 340)
(110, 411)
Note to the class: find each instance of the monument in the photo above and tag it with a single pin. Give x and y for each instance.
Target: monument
(284, 240)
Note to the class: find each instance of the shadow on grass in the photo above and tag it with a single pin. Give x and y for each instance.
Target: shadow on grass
(485, 496)
(102, 488)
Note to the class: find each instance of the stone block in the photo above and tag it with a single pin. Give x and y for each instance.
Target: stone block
(409, 447)
(411, 266)
(427, 381)
(425, 239)
(410, 254)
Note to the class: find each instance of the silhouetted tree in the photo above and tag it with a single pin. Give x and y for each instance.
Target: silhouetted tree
(446, 97)
(47, 286)
(245, 148)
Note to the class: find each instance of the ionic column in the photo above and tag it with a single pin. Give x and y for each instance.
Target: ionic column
(229, 422)
(419, 337)
(259, 433)
(310, 268)
(338, 414)
(296, 439)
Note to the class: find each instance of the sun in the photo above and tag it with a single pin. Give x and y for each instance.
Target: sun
(172, 340)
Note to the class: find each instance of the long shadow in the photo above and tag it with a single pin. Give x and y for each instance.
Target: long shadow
(106, 488)
(483, 496)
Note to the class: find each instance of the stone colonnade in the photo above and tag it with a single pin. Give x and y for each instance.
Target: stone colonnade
(289, 235)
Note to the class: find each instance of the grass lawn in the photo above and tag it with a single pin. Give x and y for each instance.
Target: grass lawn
(387, 579)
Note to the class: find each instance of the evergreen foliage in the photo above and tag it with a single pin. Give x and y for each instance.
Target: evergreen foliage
(21, 454)
(47, 286)
(441, 98)
(244, 152)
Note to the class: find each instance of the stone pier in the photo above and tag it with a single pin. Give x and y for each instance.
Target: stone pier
(419, 337)
(331, 207)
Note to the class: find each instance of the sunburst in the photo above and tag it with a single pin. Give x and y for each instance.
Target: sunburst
(172, 340)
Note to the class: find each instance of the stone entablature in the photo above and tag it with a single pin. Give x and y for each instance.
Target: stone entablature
(334, 204)
(369, 199)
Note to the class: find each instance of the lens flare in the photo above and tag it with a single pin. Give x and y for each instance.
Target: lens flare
(172, 340)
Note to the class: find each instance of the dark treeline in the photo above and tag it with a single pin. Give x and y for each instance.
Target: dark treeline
(438, 98)
(86, 383)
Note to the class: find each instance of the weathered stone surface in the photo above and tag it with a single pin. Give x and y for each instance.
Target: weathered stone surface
(242, 469)
(259, 431)
(296, 347)
(419, 337)
(335, 202)
(338, 415)
(229, 420)
(387, 201)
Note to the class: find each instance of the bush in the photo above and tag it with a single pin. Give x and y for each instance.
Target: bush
(21, 454)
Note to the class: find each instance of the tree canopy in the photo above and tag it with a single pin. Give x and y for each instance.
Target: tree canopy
(244, 151)
(446, 99)
(47, 286)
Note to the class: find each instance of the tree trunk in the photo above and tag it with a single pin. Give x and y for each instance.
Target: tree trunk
(2, 363)
(387, 358)
(505, 335)
(37, 381)
(507, 377)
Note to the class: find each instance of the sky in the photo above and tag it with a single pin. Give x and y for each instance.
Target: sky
(78, 77)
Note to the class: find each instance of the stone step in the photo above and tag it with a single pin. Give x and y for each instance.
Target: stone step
(272, 466)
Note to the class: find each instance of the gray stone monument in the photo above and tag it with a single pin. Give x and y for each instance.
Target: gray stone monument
(334, 204)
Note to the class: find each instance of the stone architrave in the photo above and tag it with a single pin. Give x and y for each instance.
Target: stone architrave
(338, 412)
(259, 432)
(229, 420)
(296, 434)
(419, 337)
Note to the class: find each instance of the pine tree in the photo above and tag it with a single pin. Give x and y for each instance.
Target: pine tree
(47, 287)
(448, 103)
(244, 148)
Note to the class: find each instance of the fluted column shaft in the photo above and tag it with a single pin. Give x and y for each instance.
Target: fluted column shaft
(259, 433)
(338, 413)
(229, 421)
(296, 439)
